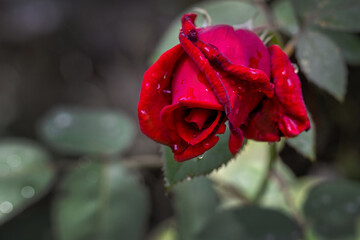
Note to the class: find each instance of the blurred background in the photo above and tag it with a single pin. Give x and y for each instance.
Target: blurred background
(68, 62)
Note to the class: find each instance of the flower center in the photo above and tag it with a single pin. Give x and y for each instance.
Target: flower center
(200, 118)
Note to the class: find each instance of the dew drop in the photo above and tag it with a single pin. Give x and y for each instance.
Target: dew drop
(147, 86)
(289, 82)
(158, 86)
(189, 178)
(167, 91)
(63, 120)
(201, 156)
(27, 192)
(6, 207)
(296, 67)
(283, 72)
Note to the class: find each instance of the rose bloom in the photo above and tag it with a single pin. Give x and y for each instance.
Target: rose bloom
(218, 74)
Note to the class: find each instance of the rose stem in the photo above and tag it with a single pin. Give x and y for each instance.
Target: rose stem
(265, 181)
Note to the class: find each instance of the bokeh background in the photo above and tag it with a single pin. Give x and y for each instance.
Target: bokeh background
(92, 54)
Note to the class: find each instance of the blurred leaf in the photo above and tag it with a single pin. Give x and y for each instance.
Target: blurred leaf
(322, 63)
(349, 45)
(331, 14)
(214, 158)
(224, 12)
(332, 208)
(285, 17)
(25, 175)
(250, 223)
(100, 201)
(248, 170)
(305, 142)
(195, 203)
(164, 231)
(33, 223)
(80, 131)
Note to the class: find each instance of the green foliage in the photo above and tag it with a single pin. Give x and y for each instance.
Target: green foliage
(25, 175)
(247, 171)
(213, 159)
(79, 131)
(321, 61)
(285, 17)
(250, 223)
(224, 12)
(195, 202)
(331, 14)
(305, 142)
(100, 200)
(348, 43)
(333, 209)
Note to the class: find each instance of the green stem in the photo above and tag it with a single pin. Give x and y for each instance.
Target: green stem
(264, 184)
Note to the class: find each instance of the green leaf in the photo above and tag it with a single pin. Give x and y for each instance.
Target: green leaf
(305, 142)
(246, 172)
(330, 14)
(79, 131)
(321, 61)
(349, 45)
(25, 175)
(226, 12)
(285, 17)
(100, 200)
(249, 223)
(333, 208)
(214, 158)
(195, 203)
(164, 231)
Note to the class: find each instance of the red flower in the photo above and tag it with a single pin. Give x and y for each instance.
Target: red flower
(218, 74)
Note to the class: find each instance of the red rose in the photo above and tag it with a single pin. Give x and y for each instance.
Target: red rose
(218, 74)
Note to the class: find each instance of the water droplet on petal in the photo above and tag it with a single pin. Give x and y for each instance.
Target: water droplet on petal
(158, 86)
(27, 192)
(290, 83)
(147, 86)
(283, 72)
(6, 207)
(296, 67)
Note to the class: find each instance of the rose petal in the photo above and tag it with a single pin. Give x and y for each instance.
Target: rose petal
(189, 83)
(195, 150)
(284, 114)
(191, 134)
(235, 143)
(153, 96)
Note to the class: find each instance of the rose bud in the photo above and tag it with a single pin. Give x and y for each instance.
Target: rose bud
(218, 74)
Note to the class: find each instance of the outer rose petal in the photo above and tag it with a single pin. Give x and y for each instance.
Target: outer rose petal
(153, 96)
(196, 150)
(284, 114)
